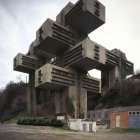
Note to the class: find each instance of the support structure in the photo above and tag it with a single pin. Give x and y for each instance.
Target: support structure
(61, 56)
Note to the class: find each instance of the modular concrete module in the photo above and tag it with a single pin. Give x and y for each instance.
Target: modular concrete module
(60, 57)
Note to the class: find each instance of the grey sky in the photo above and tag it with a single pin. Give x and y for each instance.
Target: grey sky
(19, 20)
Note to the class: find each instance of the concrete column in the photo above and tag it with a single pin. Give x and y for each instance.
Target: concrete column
(28, 99)
(83, 102)
(31, 95)
(72, 93)
(57, 102)
(34, 101)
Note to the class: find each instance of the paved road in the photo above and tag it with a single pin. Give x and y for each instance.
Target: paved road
(14, 132)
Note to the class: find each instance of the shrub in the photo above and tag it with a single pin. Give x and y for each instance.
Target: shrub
(40, 122)
(56, 123)
(70, 106)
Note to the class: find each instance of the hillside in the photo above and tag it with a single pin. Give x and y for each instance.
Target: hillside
(12, 100)
(126, 93)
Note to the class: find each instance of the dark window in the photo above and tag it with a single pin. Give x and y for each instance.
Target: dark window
(39, 73)
(96, 54)
(97, 4)
(97, 12)
(97, 47)
(40, 31)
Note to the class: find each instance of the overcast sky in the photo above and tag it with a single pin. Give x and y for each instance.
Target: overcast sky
(19, 20)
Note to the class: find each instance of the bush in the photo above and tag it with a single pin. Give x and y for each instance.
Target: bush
(70, 106)
(56, 123)
(40, 122)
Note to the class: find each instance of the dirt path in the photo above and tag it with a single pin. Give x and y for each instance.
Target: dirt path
(14, 132)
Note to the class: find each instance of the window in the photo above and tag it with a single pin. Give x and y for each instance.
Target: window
(39, 73)
(97, 4)
(40, 34)
(96, 54)
(40, 30)
(39, 76)
(97, 12)
(96, 47)
(65, 74)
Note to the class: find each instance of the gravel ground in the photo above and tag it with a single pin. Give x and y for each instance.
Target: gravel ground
(15, 132)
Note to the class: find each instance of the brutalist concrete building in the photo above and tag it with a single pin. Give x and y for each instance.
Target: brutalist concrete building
(60, 57)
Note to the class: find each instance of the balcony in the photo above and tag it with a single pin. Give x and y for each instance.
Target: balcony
(86, 16)
(53, 77)
(26, 64)
(53, 38)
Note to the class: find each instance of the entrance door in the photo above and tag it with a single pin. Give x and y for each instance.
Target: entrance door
(84, 127)
(90, 127)
(117, 121)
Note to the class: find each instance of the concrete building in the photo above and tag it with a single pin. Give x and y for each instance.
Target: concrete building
(60, 57)
(82, 125)
(130, 119)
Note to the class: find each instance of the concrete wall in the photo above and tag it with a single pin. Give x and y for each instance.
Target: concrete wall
(77, 125)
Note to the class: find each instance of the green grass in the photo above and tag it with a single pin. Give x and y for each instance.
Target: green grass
(64, 128)
(124, 131)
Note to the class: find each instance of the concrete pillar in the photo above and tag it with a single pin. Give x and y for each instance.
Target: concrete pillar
(57, 102)
(31, 95)
(28, 99)
(83, 102)
(72, 93)
(34, 101)
(114, 76)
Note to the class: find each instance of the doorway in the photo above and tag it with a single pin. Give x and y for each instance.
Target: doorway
(117, 121)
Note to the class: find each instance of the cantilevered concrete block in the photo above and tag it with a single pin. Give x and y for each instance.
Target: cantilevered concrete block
(86, 55)
(93, 85)
(60, 18)
(112, 59)
(25, 63)
(53, 38)
(116, 58)
(86, 16)
(53, 77)
(128, 67)
(37, 51)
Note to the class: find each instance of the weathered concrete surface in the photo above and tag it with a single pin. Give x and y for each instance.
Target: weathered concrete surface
(14, 132)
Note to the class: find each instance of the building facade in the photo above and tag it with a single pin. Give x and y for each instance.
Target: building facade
(60, 57)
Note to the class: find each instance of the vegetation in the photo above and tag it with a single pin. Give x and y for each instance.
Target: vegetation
(12, 100)
(64, 128)
(123, 131)
(41, 122)
(70, 106)
(126, 93)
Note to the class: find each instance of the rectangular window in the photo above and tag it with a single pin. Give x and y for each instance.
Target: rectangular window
(97, 4)
(97, 12)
